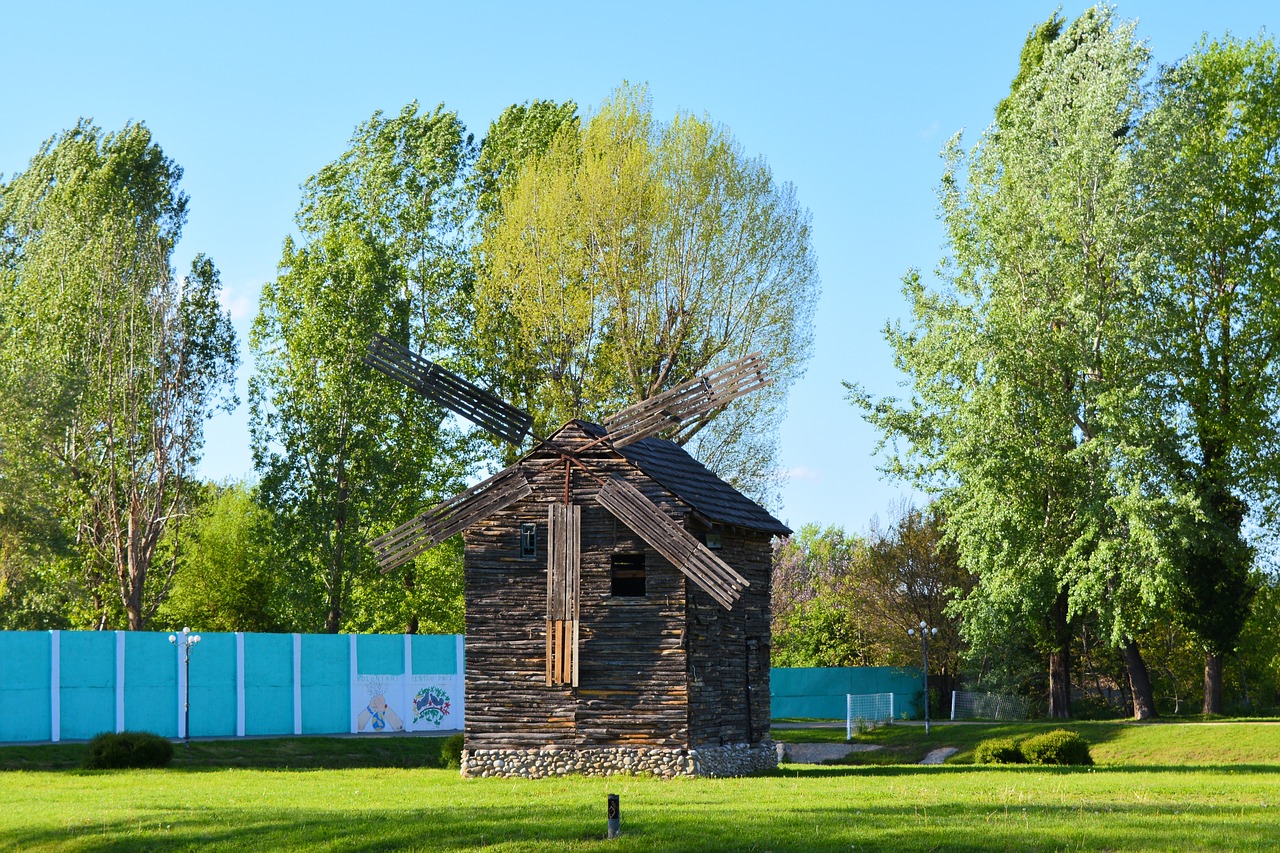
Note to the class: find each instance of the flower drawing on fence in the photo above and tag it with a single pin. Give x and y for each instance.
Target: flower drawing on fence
(431, 704)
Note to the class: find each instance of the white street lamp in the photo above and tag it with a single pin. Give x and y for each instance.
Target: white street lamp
(925, 631)
(185, 641)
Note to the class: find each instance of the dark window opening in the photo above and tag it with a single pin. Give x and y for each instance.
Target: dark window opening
(528, 541)
(628, 575)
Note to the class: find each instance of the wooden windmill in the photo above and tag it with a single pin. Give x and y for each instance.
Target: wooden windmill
(629, 505)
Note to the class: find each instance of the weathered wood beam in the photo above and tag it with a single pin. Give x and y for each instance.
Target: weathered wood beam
(452, 516)
(487, 411)
(712, 390)
(629, 505)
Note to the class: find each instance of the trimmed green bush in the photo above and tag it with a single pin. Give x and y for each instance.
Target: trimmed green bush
(116, 751)
(1056, 747)
(998, 750)
(451, 752)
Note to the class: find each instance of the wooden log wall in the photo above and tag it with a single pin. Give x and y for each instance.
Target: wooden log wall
(632, 666)
(729, 650)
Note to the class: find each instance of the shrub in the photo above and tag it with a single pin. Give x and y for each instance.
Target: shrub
(451, 752)
(114, 751)
(1057, 747)
(999, 750)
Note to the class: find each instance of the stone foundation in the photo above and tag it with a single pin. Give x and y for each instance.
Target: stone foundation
(736, 759)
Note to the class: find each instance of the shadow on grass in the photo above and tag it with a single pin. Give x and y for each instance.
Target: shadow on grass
(302, 753)
(667, 826)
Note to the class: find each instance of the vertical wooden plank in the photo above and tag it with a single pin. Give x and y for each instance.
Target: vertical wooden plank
(551, 592)
(564, 528)
(574, 571)
(549, 653)
(562, 636)
(575, 652)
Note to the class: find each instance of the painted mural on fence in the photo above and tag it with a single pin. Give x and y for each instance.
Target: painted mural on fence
(415, 703)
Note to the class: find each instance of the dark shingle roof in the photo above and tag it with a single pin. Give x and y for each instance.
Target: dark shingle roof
(695, 484)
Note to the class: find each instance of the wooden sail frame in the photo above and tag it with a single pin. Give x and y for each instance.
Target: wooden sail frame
(487, 411)
(712, 390)
(452, 516)
(708, 392)
(630, 506)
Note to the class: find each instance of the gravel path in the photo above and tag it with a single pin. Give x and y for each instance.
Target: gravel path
(937, 756)
(820, 753)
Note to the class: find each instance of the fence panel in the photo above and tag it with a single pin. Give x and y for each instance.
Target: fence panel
(24, 671)
(150, 683)
(87, 672)
(213, 685)
(268, 684)
(326, 682)
(819, 692)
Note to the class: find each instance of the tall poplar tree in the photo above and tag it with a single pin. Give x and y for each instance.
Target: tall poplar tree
(1016, 364)
(343, 452)
(1210, 191)
(110, 362)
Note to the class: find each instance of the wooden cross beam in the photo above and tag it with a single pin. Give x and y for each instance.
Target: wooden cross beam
(629, 505)
(452, 516)
(712, 390)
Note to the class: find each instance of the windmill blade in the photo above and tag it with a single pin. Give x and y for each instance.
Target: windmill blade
(453, 516)
(712, 390)
(493, 415)
(672, 541)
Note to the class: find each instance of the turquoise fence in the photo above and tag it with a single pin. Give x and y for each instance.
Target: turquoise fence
(819, 692)
(72, 685)
(298, 684)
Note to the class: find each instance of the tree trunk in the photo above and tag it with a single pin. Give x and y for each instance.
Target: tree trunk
(1060, 663)
(1060, 684)
(411, 626)
(337, 568)
(1144, 703)
(1212, 683)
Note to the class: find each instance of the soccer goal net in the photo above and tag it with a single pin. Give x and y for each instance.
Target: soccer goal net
(864, 710)
(986, 706)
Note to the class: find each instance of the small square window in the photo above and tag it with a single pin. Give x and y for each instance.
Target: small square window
(627, 580)
(713, 539)
(528, 541)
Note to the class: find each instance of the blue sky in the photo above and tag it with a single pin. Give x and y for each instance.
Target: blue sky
(850, 102)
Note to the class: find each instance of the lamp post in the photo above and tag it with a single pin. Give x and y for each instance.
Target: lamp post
(185, 641)
(925, 631)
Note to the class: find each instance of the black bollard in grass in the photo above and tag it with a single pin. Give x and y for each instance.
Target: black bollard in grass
(615, 817)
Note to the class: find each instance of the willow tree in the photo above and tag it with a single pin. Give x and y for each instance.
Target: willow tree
(342, 453)
(1210, 169)
(111, 361)
(1017, 362)
(633, 255)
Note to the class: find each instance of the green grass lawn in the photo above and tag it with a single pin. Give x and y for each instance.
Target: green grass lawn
(237, 795)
